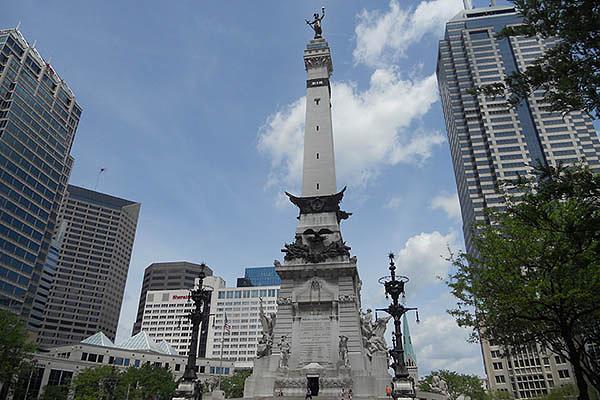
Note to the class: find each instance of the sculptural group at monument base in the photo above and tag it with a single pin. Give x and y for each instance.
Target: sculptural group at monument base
(373, 332)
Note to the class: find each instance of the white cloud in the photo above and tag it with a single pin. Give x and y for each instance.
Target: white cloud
(440, 343)
(384, 37)
(394, 202)
(447, 203)
(371, 129)
(423, 259)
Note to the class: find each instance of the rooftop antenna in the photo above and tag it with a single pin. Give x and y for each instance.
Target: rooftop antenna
(468, 4)
(18, 26)
(34, 43)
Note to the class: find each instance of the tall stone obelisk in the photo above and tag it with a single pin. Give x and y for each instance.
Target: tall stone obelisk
(319, 338)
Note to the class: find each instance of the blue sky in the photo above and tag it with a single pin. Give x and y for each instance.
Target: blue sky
(195, 109)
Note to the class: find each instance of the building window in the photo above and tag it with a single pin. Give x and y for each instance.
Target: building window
(317, 128)
(563, 373)
(177, 367)
(317, 100)
(317, 156)
(317, 186)
(500, 379)
(497, 365)
(84, 356)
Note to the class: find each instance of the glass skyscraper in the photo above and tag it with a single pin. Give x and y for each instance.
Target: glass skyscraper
(491, 142)
(38, 120)
(259, 276)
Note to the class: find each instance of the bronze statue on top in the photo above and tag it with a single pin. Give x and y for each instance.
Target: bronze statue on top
(316, 23)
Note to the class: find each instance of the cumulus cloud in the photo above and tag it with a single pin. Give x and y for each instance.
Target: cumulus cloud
(371, 129)
(438, 341)
(384, 37)
(447, 203)
(441, 344)
(423, 259)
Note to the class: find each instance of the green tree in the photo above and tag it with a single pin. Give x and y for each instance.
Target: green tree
(55, 392)
(467, 385)
(561, 393)
(498, 395)
(106, 382)
(536, 275)
(569, 72)
(95, 383)
(233, 386)
(148, 381)
(15, 348)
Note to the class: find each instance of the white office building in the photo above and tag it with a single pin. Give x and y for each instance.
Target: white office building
(165, 313)
(165, 316)
(241, 305)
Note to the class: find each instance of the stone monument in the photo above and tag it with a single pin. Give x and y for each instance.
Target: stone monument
(320, 339)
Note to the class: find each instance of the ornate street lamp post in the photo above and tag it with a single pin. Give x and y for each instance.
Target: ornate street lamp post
(201, 299)
(402, 385)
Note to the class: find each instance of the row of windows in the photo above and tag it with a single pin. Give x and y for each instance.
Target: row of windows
(12, 290)
(238, 294)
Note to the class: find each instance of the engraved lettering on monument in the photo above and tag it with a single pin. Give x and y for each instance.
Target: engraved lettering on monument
(315, 337)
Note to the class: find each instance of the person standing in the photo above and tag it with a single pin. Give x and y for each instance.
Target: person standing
(308, 394)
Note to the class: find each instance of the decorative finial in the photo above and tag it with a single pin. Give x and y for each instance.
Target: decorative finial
(315, 24)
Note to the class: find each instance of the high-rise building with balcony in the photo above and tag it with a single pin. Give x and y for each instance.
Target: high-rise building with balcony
(38, 119)
(174, 275)
(85, 297)
(491, 142)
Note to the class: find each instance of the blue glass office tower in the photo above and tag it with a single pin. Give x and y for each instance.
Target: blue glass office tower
(259, 276)
(38, 120)
(491, 142)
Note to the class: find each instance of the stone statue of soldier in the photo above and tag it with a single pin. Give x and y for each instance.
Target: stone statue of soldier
(343, 351)
(284, 356)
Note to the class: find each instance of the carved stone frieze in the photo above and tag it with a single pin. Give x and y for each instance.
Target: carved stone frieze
(323, 382)
(284, 301)
(347, 298)
(318, 61)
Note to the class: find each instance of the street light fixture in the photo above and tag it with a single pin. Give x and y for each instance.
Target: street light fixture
(201, 299)
(402, 386)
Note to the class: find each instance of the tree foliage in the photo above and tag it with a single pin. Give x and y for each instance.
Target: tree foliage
(562, 393)
(233, 386)
(59, 392)
(106, 382)
(569, 72)
(15, 348)
(458, 384)
(536, 275)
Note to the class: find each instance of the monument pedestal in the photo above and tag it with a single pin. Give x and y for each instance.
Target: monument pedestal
(185, 391)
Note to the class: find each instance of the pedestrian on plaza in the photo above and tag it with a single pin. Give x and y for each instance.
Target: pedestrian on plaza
(350, 394)
(343, 394)
(388, 391)
(308, 394)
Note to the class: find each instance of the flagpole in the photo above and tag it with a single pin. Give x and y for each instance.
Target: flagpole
(221, 356)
